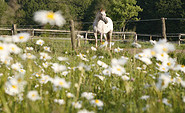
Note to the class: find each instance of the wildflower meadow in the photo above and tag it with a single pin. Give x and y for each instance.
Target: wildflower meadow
(46, 76)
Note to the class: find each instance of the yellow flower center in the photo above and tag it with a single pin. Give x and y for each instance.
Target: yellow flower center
(169, 64)
(118, 69)
(19, 80)
(6, 62)
(153, 52)
(22, 70)
(182, 65)
(61, 83)
(162, 55)
(163, 83)
(14, 86)
(163, 68)
(179, 80)
(1, 48)
(13, 49)
(50, 15)
(96, 101)
(33, 95)
(165, 49)
(21, 37)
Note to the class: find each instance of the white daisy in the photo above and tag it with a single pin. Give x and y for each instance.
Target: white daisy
(21, 37)
(53, 18)
(33, 95)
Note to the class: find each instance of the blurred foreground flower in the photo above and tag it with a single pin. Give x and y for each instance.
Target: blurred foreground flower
(21, 37)
(53, 18)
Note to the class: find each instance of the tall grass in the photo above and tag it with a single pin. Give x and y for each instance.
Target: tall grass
(118, 96)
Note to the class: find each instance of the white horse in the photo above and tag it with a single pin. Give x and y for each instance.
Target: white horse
(103, 25)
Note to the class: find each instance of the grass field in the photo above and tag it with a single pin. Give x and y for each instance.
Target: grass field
(87, 80)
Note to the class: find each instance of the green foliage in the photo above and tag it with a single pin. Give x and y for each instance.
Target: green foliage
(124, 10)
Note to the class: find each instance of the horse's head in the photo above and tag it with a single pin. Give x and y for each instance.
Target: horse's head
(102, 16)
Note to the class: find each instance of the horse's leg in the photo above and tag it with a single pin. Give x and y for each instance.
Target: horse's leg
(95, 34)
(101, 36)
(105, 39)
(109, 39)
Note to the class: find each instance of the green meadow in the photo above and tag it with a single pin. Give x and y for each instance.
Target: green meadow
(136, 94)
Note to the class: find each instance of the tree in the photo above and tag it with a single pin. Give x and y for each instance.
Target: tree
(9, 14)
(3, 7)
(124, 11)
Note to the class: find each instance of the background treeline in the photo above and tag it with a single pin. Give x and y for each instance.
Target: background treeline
(122, 12)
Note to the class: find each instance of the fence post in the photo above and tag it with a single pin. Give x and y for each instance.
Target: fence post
(78, 40)
(179, 39)
(163, 28)
(124, 36)
(86, 37)
(72, 34)
(14, 29)
(135, 40)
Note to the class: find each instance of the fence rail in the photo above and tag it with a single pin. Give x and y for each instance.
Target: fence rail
(33, 31)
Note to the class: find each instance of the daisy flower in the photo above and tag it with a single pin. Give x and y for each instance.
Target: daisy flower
(100, 63)
(163, 81)
(62, 58)
(44, 56)
(4, 51)
(60, 82)
(134, 44)
(64, 73)
(77, 105)
(40, 42)
(29, 48)
(93, 48)
(17, 66)
(45, 64)
(106, 72)
(118, 50)
(145, 97)
(166, 102)
(70, 95)
(53, 18)
(44, 79)
(85, 111)
(21, 37)
(103, 44)
(121, 61)
(97, 102)
(59, 101)
(46, 48)
(100, 77)
(88, 95)
(27, 56)
(125, 78)
(33, 95)
(14, 49)
(58, 68)
(118, 70)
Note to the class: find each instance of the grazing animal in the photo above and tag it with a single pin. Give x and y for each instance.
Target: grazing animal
(103, 25)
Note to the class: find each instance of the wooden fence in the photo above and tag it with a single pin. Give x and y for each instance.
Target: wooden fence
(74, 34)
(86, 34)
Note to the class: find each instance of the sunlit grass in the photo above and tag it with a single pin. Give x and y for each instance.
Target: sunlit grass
(117, 95)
